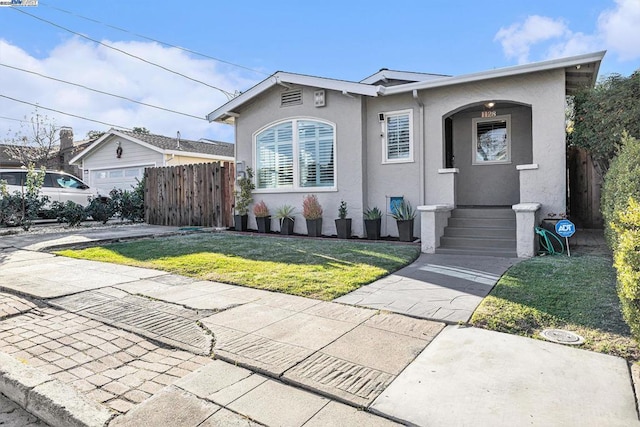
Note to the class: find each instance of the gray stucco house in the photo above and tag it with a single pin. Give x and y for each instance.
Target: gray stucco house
(482, 155)
(118, 158)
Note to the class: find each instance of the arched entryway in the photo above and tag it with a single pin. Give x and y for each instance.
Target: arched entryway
(485, 142)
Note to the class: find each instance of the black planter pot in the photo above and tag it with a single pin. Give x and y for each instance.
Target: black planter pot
(240, 222)
(286, 226)
(405, 230)
(343, 228)
(372, 227)
(264, 224)
(314, 227)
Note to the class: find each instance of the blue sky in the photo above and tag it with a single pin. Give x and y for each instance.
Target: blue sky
(339, 39)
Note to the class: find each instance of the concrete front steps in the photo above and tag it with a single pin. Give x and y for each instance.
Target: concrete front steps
(489, 231)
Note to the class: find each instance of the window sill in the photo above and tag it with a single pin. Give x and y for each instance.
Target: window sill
(395, 162)
(491, 163)
(295, 190)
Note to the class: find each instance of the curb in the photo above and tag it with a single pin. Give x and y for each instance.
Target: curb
(48, 398)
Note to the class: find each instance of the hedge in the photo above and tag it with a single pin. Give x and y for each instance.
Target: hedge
(621, 211)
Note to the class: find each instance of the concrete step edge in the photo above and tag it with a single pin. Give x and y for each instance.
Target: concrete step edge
(47, 398)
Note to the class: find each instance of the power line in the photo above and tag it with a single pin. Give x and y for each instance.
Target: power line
(124, 30)
(102, 92)
(66, 114)
(15, 120)
(229, 95)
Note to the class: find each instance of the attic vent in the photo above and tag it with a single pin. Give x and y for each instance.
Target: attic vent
(291, 97)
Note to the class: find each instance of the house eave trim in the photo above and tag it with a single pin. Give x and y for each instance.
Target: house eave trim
(500, 72)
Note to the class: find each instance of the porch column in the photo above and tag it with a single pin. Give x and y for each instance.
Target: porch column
(526, 242)
(433, 220)
(528, 187)
(447, 192)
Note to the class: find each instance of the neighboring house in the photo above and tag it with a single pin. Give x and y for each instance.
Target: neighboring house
(489, 139)
(117, 159)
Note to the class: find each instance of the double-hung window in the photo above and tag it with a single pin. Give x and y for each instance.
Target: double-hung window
(295, 154)
(397, 137)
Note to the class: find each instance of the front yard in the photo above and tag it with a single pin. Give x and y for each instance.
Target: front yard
(317, 268)
(576, 294)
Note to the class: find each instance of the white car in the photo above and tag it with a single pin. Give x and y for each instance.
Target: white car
(58, 186)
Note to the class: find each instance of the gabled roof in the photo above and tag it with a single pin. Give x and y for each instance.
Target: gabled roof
(580, 71)
(385, 75)
(164, 144)
(226, 114)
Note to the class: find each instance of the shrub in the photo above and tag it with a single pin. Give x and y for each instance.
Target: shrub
(311, 208)
(21, 208)
(101, 209)
(627, 263)
(129, 205)
(260, 209)
(342, 210)
(70, 213)
(621, 182)
(244, 197)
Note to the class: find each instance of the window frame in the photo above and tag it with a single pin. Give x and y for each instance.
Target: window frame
(295, 187)
(385, 137)
(474, 139)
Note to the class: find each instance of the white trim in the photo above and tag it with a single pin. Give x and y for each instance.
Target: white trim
(201, 155)
(448, 170)
(474, 139)
(410, 76)
(296, 151)
(532, 166)
(500, 72)
(226, 114)
(383, 137)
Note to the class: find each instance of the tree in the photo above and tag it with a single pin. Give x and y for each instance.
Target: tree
(602, 114)
(141, 130)
(95, 134)
(35, 142)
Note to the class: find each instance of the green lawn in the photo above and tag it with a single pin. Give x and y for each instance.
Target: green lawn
(316, 268)
(577, 294)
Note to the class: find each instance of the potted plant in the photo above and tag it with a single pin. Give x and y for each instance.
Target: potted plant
(244, 197)
(343, 224)
(284, 214)
(404, 215)
(263, 219)
(372, 223)
(312, 212)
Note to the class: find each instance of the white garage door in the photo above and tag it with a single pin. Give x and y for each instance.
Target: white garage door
(106, 180)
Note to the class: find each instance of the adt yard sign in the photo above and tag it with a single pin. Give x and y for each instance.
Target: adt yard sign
(565, 228)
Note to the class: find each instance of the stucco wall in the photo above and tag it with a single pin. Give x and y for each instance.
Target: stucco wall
(397, 179)
(491, 184)
(544, 92)
(343, 111)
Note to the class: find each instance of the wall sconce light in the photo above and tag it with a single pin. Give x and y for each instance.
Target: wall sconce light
(490, 104)
(241, 169)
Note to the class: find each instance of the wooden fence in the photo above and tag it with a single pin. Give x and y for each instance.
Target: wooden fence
(584, 190)
(190, 195)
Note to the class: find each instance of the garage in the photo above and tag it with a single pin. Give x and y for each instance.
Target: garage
(105, 180)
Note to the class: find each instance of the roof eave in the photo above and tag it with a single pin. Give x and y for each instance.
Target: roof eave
(226, 114)
(501, 72)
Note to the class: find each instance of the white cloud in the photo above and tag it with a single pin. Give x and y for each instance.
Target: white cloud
(618, 31)
(518, 38)
(105, 69)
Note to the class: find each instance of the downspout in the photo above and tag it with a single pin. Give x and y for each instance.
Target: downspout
(422, 146)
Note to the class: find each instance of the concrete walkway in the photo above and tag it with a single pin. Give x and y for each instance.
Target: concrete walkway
(133, 346)
(445, 288)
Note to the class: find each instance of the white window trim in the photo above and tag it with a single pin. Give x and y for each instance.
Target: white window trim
(383, 134)
(474, 139)
(296, 159)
